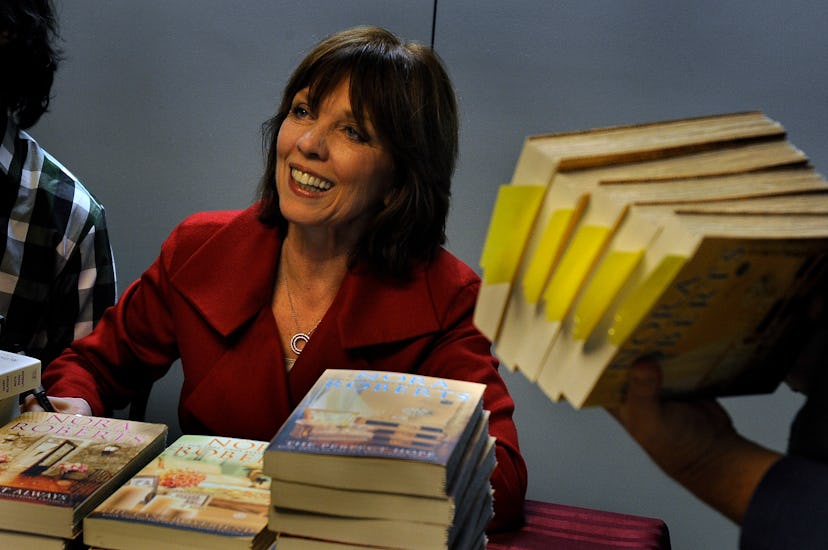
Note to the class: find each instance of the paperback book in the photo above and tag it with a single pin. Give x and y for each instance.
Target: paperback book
(703, 256)
(55, 468)
(478, 464)
(383, 459)
(525, 225)
(378, 431)
(200, 492)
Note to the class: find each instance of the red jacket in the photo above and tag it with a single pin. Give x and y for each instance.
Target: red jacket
(207, 301)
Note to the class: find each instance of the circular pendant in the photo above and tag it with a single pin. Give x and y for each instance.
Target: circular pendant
(297, 343)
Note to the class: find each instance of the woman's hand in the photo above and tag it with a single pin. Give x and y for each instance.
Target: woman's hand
(65, 405)
(694, 442)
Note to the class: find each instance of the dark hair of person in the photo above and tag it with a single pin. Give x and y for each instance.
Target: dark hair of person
(405, 91)
(28, 58)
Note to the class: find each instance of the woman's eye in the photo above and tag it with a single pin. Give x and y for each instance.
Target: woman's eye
(300, 111)
(355, 134)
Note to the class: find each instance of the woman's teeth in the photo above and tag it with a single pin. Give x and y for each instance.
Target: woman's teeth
(307, 180)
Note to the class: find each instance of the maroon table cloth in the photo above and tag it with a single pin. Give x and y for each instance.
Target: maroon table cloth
(564, 527)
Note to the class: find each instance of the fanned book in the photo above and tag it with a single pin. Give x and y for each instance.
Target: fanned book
(698, 241)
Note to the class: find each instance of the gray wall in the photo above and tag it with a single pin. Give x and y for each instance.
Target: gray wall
(158, 107)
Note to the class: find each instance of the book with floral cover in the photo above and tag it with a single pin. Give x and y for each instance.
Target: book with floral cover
(200, 492)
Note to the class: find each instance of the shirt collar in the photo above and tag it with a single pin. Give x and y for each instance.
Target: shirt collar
(7, 146)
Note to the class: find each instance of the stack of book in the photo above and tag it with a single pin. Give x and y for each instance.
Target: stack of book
(200, 492)
(55, 468)
(383, 459)
(699, 241)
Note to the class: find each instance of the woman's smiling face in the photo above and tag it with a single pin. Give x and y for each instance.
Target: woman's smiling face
(330, 171)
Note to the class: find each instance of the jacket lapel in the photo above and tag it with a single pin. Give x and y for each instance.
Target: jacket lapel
(232, 274)
(371, 311)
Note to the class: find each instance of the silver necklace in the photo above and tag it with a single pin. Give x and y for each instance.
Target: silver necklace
(300, 339)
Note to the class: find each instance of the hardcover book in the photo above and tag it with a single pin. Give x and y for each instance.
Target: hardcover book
(55, 468)
(200, 492)
(378, 431)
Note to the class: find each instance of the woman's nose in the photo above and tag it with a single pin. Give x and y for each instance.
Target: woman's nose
(314, 142)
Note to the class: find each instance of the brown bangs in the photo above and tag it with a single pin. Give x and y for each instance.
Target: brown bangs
(372, 69)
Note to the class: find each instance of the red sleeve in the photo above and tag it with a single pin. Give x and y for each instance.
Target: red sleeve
(132, 346)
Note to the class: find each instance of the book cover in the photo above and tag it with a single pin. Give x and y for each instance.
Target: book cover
(380, 431)
(54, 468)
(201, 491)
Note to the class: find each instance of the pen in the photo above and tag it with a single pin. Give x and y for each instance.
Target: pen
(40, 396)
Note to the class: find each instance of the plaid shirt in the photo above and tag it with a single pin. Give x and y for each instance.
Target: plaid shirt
(57, 274)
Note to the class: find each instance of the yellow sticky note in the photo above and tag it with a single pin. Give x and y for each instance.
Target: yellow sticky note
(574, 267)
(544, 256)
(609, 277)
(632, 310)
(512, 219)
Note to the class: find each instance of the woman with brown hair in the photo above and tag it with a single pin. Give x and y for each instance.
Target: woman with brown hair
(339, 265)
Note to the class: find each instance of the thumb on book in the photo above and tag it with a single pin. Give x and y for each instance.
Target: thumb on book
(644, 380)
